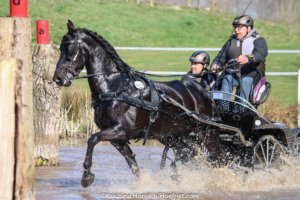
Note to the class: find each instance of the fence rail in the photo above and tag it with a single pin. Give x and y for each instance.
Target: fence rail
(181, 73)
(187, 49)
(190, 49)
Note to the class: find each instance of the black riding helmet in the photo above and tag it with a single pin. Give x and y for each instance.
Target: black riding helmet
(245, 20)
(200, 57)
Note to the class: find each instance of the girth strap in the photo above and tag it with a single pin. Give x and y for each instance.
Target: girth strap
(133, 101)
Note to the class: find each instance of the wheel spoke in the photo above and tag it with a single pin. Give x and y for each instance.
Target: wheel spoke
(272, 155)
(267, 152)
(298, 150)
(259, 159)
(263, 152)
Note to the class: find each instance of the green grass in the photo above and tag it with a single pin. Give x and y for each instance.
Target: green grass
(129, 24)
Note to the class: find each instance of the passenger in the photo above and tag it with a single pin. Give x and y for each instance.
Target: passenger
(246, 48)
(199, 62)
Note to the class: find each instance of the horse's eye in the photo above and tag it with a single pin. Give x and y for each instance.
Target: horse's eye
(70, 51)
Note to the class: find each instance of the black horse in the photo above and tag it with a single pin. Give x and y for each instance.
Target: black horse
(123, 100)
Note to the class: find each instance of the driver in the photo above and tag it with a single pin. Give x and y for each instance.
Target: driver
(199, 72)
(246, 48)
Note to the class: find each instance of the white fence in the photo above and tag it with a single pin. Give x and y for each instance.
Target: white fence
(181, 73)
(190, 49)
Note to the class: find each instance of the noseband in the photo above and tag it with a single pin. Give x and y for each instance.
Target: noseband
(79, 44)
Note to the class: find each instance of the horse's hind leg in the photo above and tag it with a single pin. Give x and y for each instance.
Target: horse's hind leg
(129, 156)
(106, 135)
(211, 141)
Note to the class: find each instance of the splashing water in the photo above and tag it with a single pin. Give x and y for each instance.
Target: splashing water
(115, 180)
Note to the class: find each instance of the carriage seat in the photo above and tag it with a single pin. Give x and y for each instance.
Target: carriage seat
(260, 91)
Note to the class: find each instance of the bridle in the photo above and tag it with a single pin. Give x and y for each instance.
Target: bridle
(79, 44)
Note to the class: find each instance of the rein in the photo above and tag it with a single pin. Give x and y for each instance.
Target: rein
(133, 71)
(141, 73)
(96, 74)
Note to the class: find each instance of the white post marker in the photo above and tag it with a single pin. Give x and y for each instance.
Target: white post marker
(298, 98)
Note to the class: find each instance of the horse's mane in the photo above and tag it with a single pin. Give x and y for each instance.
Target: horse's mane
(109, 49)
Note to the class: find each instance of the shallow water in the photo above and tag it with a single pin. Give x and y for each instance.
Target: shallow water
(114, 179)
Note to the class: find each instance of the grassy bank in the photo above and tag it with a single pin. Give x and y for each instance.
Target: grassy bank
(129, 24)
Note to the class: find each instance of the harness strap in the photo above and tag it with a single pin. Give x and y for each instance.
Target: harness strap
(154, 113)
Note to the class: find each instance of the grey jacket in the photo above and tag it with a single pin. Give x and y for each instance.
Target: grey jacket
(253, 46)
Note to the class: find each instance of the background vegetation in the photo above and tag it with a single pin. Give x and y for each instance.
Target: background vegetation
(126, 23)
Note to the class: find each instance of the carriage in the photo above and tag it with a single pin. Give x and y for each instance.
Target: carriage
(262, 141)
(247, 137)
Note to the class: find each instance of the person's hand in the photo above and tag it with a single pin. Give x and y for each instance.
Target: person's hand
(214, 67)
(242, 59)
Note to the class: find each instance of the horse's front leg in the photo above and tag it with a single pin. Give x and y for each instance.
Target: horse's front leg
(129, 156)
(105, 135)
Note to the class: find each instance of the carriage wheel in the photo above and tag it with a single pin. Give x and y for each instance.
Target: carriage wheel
(267, 153)
(296, 149)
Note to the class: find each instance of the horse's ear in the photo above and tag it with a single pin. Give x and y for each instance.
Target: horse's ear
(71, 27)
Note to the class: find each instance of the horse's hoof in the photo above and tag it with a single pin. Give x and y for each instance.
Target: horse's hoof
(87, 180)
(176, 178)
(136, 172)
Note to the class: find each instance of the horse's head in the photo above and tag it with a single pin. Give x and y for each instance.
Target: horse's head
(72, 58)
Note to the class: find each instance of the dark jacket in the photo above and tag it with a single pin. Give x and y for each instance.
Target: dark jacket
(253, 46)
(207, 80)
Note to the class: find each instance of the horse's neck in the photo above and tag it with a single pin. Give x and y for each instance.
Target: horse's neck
(108, 81)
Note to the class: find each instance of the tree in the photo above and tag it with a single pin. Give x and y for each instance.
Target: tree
(215, 5)
(189, 3)
(198, 4)
(151, 3)
(287, 11)
(46, 105)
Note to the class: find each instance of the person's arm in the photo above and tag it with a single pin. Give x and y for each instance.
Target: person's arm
(220, 59)
(259, 52)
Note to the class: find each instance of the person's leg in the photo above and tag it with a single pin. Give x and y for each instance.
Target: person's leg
(227, 85)
(246, 84)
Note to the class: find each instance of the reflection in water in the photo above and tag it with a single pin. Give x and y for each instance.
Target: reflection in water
(115, 180)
